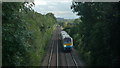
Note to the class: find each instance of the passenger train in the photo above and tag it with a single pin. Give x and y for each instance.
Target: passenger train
(67, 41)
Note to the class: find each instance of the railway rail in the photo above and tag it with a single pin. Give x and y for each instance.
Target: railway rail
(70, 60)
(76, 65)
(56, 57)
(50, 57)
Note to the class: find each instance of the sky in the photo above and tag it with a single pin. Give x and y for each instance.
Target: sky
(60, 8)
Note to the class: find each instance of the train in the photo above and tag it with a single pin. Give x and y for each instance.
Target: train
(67, 41)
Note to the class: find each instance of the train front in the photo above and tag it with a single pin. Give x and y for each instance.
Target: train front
(68, 44)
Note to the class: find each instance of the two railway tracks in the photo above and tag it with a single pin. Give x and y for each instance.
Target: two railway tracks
(55, 55)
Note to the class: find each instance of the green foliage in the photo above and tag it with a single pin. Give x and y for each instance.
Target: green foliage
(96, 36)
(25, 34)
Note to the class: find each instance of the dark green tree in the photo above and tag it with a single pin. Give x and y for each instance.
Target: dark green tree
(23, 42)
(98, 32)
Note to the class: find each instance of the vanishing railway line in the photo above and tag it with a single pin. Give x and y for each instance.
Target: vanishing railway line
(55, 55)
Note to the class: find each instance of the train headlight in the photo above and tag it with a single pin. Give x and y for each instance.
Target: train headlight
(64, 45)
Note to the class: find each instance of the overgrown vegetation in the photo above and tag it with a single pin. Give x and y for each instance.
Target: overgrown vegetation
(25, 34)
(97, 35)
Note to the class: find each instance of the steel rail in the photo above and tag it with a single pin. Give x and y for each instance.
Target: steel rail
(57, 50)
(76, 65)
(66, 61)
(51, 53)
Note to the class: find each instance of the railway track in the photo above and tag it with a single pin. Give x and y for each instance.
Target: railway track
(53, 57)
(50, 57)
(76, 65)
(57, 49)
(56, 57)
(70, 61)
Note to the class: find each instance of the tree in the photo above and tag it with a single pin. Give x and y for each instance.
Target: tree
(99, 20)
(23, 44)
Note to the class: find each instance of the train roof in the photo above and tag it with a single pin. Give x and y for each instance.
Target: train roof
(65, 34)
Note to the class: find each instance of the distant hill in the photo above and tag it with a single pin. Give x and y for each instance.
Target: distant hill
(64, 20)
(60, 19)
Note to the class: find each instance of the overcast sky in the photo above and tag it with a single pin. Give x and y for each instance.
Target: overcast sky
(60, 8)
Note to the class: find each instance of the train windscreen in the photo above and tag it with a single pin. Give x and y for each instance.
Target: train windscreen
(67, 40)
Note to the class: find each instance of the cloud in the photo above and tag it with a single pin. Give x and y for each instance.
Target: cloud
(60, 8)
(65, 14)
(62, 12)
(46, 2)
(40, 2)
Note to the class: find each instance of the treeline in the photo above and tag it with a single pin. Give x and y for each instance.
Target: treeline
(25, 34)
(97, 37)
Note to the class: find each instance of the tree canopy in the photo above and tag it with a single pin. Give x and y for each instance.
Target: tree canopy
(97, 35)
(25, 34)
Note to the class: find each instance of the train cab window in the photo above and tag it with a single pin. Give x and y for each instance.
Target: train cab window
(67, 40)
